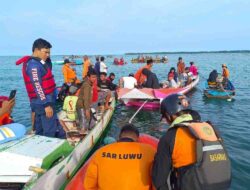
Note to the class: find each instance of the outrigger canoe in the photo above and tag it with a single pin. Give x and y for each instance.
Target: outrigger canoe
(136, 97)
(38, 162)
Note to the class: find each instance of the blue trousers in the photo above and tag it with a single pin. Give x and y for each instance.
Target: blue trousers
(44, 126)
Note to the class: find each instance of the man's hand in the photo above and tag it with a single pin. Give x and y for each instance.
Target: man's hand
(7, 106)
(87, 114)
(49, 111)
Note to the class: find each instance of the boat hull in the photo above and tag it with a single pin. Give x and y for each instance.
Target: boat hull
(136, 97)
(58, 176)
(213, 93)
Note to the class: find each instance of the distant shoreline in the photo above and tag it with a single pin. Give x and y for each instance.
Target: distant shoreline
(148, 53)
(191, 52)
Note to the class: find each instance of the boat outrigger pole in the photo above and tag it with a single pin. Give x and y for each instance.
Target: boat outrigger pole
(130, 121)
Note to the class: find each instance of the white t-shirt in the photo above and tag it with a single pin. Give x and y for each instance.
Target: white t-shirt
(129, 82)
(173, 84)
(103, 67)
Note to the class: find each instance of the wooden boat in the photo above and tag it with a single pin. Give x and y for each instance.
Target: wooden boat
(221, 94)
(119, 62)
(38, 162)
(213, 92)
(136, 97)
(155, 60)
(77, 182)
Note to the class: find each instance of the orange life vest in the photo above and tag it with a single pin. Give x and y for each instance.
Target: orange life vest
(199, 158)
(184, 152)
(68, 74)
(225, 73)
(141, 77)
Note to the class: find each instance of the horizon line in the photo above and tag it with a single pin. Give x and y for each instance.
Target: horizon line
(158, 52)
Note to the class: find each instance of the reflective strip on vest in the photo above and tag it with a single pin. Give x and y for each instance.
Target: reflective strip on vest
(212, 147)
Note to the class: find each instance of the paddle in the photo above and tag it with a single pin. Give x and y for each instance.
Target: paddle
(137, 111)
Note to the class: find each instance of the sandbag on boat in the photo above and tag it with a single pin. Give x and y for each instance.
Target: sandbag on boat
(11, 132)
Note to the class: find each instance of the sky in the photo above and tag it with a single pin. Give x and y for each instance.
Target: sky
(120, 26)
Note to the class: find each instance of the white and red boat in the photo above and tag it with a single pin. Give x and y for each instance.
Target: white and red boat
(137, 97)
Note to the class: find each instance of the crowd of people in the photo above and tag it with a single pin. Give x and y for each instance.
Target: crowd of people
(183, 77)
(157, 59)
(191, 154)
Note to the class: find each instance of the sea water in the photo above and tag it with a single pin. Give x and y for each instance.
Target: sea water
(230, 117)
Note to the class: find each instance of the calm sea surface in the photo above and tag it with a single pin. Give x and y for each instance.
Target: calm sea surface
(231, 118)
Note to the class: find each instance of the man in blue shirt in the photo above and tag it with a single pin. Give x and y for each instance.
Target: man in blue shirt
(40, 86)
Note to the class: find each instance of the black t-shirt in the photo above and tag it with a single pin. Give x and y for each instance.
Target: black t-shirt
(105, 85)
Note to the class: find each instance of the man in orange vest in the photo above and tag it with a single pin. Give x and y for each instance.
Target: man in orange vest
(225, 71)
(69, 74)
(86, 65)
(124, 165)
(141, 78)
(191, 153)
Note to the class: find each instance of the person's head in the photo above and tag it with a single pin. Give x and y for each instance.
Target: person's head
(97, 58)
(180, 59)
(72, 90)
(150, 62)
(91, 75)
(112, 76)
(85, 58)
(129, 131)
(172, 70)
(66, 61)
(186, 69)
(41, 49)
(102, 58)
(131, 75)
(173, 106)
(103, 76)
(224, 66)
(191, 63)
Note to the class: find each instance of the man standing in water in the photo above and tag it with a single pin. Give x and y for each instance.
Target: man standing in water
(40, 86)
